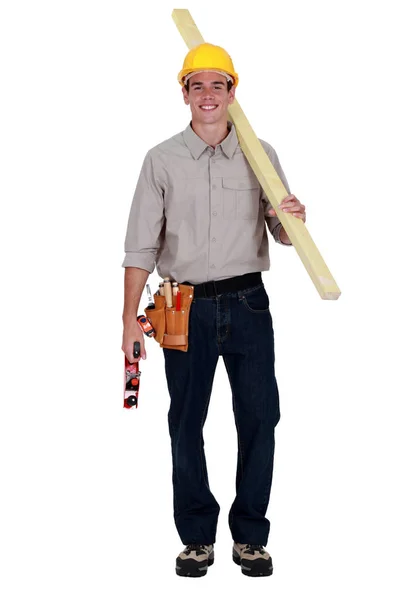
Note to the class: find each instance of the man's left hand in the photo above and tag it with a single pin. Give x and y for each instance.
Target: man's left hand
(291, 205)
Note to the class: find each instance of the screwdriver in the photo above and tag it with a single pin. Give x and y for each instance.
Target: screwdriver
(150, 297)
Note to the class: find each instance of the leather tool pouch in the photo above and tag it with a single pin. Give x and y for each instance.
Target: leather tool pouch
(172, 326)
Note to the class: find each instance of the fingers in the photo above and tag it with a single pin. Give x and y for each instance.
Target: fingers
(143, 350)
(289, 201)
(299, 215)
(286, 206)
(129, 354)
(292, 205)
(127, 349)
(131, 358)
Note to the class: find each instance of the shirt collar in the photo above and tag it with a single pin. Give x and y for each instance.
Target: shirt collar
(197, 146)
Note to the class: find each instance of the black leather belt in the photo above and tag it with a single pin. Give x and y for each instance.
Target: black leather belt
(210, 289)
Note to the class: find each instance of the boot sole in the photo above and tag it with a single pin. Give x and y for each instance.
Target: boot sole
(192, 568)
(254, 568)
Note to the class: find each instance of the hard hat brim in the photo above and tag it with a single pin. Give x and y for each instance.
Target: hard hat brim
(185, 72)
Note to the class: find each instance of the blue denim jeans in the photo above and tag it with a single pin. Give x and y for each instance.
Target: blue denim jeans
(237, 326)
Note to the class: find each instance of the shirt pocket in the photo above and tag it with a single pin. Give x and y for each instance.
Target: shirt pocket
(241, 197)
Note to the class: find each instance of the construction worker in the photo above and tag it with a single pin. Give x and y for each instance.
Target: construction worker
(199, 215)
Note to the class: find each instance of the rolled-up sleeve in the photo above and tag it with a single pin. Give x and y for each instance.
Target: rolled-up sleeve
(274, 224)
(146, 218)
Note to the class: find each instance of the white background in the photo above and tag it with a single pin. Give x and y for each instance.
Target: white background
(86, 503)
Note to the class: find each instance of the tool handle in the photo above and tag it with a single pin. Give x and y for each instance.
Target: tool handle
(178, 300)
(168, 294)
(136, 349)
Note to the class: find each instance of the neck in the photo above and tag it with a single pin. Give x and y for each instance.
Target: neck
(212, 133)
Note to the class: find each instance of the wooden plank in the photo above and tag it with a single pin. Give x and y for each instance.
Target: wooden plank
(268, 178)
(187, 27)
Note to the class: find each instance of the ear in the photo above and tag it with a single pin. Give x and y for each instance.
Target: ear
(231, 95)
(185, 95)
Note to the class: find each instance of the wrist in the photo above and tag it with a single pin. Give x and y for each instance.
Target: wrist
(129, 321)
(283, 236)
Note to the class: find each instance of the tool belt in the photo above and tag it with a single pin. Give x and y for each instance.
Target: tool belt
(171, 325)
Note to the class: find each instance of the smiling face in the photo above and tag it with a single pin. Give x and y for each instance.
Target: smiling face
(208, 97)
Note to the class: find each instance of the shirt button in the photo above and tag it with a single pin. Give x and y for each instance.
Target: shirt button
(215, 213)
(214, 187)
(213, 160)
(212, 266)
(214, 240)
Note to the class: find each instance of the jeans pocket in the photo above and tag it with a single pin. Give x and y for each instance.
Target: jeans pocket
(255, 300)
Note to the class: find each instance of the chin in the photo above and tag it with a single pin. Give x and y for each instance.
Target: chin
(209, 118)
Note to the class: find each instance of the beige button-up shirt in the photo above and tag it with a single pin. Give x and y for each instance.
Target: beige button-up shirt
(199, 214)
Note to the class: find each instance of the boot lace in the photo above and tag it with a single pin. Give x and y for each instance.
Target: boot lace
(255, 547)
(195, 546)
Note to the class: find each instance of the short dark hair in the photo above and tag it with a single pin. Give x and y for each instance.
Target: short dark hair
(229, 85)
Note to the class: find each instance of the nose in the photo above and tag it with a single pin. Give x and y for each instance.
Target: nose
(207, 94)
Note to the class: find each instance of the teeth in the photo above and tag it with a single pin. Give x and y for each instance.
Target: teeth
(208, 107)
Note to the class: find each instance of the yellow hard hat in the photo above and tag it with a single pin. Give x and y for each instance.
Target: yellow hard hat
(207, 57)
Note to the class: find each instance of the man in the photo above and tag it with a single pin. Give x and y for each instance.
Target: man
(199, 215)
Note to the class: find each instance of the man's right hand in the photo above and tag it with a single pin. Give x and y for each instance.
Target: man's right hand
(133, 333)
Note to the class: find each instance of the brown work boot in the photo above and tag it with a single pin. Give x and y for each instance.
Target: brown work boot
(194, 560)
(253, 558)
